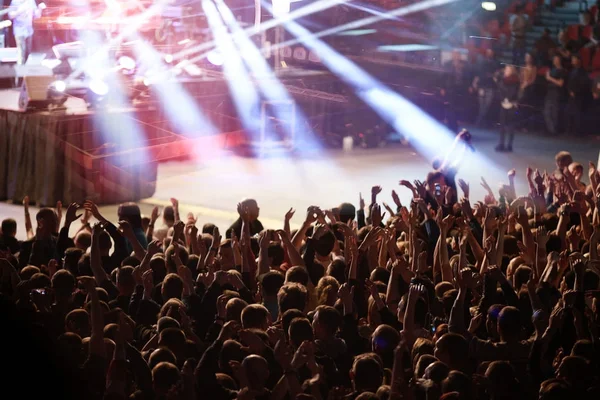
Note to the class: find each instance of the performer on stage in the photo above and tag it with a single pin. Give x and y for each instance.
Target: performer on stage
(22, 13)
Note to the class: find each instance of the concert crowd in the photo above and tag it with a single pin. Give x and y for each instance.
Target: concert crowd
(447, 296)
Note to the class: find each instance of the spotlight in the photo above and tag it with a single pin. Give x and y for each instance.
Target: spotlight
(127, 63)
(59, 86)
(215, 58)
(98, 87)
(488, 6)
(168, 58)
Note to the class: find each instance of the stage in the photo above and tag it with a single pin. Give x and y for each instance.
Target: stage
(111, 154)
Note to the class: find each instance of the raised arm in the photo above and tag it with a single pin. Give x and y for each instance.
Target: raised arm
(263, 257)
(293, 254)
(96, 345)
(95, 257)
(28, 226)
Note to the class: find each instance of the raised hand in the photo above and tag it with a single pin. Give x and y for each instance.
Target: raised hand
(229, 330)
(289, 214)
(92, 208)
(125, 228)
(396, 199)
(475, 323)
(243, 212)
(154, 215)
(312, 214)
(375, 190)
(376, 215)
(361, 201)
(464, 186)
(467, 211)
(222, 306)
(71, 214)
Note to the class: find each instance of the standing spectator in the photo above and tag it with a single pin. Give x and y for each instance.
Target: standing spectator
(556, 80)
(528, 76)
(508, 87)
(518, 27)
(544, 46)
(453, 88)
(484, 83)
(578, 87)
(566, 48)
(251, 206)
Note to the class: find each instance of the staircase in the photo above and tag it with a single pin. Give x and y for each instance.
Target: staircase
(555, 20)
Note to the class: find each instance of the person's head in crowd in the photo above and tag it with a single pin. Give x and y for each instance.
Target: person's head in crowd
(232, 350)
(324, 245)
(130, 261)
(125, 281)
(63, 284)
(174, 340)
(208, 229)
(327, 290)
(255, 316)
(436, 371)
(337, 270)
(256, 369)
(509, 324)
(563, 158)
(383, 342)
(9, 227)
(459, 382)
(183, 255)
(502, 380)
(367, 373)
(226, 256)
(421, 347)
(47, 223)
(297, 274)
(326, 323)
(422, 363)
(172, 287)
(292, 295)
(70, 346)
(168, 214)
(171, 308)
(234, 308)
(167, 322)
(555, 389)
(347, 212)
(27, 272)
(300, 330)
(270, 284)
(576, 169)
(575, 60)
(574, 370)
(130, 212)
(162, 354)
(40, 281)
(557, 62)
(451, 349)
(83, 240)
(491, 322)
(288, 316)
(104, 243)
(252, 206)
(165, 376)
(158, 267)
(78, 322)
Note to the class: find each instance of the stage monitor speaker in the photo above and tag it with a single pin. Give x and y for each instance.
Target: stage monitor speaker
(34, 93)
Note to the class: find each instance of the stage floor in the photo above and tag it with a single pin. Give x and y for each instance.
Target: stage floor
(213, 188)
